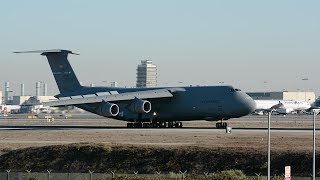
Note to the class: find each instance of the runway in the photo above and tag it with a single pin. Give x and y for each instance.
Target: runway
(302, 123)
(185, 129)
(287, 133)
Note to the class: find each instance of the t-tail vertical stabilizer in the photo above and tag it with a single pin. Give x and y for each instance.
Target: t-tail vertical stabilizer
(62, 71)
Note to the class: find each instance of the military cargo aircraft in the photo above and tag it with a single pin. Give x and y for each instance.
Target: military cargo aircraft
(158, 107)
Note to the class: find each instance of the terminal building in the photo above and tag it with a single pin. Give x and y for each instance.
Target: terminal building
(146, 74)
(22, 102)
(30, 100)
(284, 95)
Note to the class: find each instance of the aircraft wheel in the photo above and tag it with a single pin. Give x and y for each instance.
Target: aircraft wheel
(224, 125)
(154, 125)
(170, 124)
(130, 125)
(218, 125)
(146, 125)
(138, 125)
(162, 124)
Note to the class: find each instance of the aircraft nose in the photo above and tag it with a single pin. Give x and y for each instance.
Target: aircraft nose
(248, 105)
(251, 105)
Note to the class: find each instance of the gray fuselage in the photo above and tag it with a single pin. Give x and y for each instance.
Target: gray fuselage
(210, 103)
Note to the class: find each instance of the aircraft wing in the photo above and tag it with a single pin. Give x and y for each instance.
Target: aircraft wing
(110, 97)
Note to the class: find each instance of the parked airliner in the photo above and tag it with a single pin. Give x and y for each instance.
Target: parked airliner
(281, 106)
(147, 107)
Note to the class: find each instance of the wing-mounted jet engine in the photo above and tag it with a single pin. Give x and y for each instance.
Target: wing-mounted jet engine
(140, 106)
(108, 109)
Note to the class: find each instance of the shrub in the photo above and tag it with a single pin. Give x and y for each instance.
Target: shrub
(229, 175)
(275, 177)
(129, 178)
(33, 178)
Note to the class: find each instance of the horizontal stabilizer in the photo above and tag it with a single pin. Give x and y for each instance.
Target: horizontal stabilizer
(48, 51)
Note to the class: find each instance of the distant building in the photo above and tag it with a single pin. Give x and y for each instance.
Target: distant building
(45, 98)
(38, 88)
(284, 95)
(146, 74)
(114, 84)
(30, 100)
(18, 100)
(33, 104)
(21, 89)
(6, 92)
(45, 90)
(1, 97)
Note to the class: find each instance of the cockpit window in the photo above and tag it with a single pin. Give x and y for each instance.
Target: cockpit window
(234, 90)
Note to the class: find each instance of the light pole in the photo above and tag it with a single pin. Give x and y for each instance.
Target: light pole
(315, 113)
(265, 89)
(305, 90)
(269, 143)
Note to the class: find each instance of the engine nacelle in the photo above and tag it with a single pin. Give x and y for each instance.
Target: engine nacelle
(108, 109)
(140, 106)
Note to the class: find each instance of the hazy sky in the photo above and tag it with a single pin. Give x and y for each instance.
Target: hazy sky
(242, 43)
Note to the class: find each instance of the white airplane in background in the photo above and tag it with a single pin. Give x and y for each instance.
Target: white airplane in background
(7, 109)
(281, 106)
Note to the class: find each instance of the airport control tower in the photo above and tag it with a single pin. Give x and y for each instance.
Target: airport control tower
(146, 74)
(6, 92)
(1, 97)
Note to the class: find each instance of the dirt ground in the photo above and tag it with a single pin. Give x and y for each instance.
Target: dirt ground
(195, 133)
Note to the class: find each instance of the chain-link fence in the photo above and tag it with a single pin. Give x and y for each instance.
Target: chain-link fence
(91, 175)
(83, 176)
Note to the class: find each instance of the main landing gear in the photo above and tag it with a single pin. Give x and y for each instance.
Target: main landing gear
(155, 125)
(221, 125)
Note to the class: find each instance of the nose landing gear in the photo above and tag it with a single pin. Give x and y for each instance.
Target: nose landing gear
(221, 125)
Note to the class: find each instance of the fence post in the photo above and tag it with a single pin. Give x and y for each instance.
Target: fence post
(49, 171)
(113, 174)
(135, 173)
(28, 171)
(91, 172)
(258, 175)
(8, 174)
(158, 174)
(183, 174)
